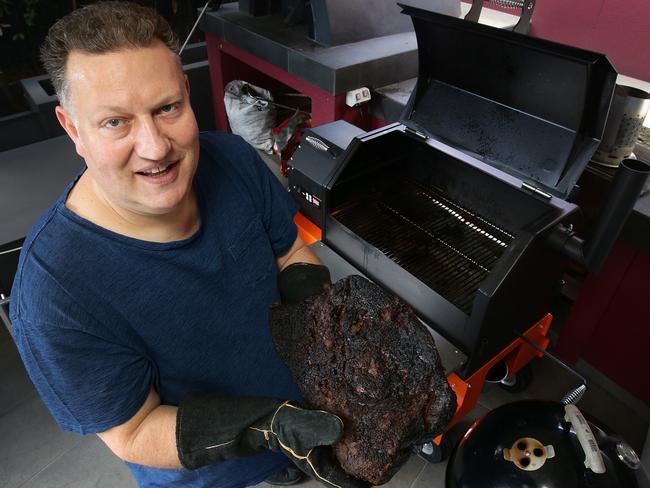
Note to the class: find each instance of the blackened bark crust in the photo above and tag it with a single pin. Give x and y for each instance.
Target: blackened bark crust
(360, 353)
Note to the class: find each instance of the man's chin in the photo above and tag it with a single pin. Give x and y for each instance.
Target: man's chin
(158, 211)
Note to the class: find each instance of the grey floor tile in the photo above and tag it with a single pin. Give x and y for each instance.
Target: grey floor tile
(15, 385)
(88, 464)
(432, 476)
(30, 441)
(597, 378)
(407, 474)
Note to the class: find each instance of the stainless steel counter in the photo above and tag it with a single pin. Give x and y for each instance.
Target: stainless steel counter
(337, 69)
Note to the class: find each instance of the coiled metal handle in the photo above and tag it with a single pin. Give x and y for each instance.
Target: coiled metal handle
(507, 3)
(526, 6)
(574, 396)
(316, 143)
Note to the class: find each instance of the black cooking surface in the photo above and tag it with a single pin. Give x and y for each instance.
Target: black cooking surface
(447, 247)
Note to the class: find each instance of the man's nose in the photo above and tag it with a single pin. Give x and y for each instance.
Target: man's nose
(151, 142)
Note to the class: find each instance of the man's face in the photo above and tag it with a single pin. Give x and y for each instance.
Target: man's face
(130, 118)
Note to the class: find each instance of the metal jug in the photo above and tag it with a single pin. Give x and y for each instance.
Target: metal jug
(626, 115)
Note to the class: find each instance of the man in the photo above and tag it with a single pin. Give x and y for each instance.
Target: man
(140, 302)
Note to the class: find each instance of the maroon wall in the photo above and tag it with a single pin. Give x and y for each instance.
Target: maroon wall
(618, 28)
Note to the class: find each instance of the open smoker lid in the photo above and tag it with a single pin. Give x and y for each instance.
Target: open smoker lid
(530, 107)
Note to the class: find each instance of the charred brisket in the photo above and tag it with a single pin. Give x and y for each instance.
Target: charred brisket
(360, 353)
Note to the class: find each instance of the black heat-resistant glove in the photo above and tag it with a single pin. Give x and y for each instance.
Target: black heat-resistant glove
(212, 428)
(301, 280)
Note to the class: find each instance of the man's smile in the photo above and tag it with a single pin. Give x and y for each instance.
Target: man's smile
(160, 173)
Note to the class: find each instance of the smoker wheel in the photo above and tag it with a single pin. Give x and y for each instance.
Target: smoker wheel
(520, 381)
(432, 452)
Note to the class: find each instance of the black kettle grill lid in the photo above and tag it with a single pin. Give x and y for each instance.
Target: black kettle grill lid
(533, 108)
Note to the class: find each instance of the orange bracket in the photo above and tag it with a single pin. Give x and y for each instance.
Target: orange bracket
(516, 355)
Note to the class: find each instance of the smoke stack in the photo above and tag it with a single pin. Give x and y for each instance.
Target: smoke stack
(630, 179)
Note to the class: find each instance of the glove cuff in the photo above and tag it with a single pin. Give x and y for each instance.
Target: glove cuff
(212, 428)
(302, 280)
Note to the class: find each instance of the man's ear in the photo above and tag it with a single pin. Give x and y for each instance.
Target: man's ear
(187, 85)
(67, 122)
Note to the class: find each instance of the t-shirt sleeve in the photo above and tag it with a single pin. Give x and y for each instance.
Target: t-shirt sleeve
(89, 383)
(274, 204)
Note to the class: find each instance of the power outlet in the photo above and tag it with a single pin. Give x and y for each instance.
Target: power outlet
(354, 98)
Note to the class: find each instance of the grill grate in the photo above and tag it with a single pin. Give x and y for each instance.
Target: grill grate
(444, 245)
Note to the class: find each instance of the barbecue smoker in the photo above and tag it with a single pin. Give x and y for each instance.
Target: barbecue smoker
(461, 209)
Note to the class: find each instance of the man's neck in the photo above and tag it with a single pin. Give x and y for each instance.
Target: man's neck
(86, 200)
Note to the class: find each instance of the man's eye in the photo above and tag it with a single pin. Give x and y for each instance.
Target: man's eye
(170, 107)
(113, 123)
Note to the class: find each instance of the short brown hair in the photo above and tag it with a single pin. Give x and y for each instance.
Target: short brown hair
(101, 28)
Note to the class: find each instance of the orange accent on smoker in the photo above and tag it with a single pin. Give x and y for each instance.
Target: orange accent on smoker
(307, 230)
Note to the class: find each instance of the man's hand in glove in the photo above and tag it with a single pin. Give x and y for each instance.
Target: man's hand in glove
(301, 280)
(212, 428)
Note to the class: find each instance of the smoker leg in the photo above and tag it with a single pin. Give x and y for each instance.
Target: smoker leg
(520, 381)
(432, 452)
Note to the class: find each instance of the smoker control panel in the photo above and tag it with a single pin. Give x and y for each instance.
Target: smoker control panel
(305, 195)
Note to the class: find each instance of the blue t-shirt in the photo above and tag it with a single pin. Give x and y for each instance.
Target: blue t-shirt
(99, 317)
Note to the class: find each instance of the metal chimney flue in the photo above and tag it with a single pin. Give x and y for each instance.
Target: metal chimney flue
(626, 187)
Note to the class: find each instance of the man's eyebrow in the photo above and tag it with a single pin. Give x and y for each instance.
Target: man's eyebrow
(170, 99)
(111, 108)
(162, 102)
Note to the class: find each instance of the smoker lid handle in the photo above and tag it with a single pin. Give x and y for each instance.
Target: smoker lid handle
(526, 19)
(474, 13)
